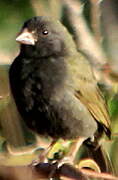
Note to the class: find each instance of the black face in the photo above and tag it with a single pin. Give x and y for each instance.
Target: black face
(49, 37)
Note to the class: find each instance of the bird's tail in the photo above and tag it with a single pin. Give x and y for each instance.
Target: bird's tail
(101, 157)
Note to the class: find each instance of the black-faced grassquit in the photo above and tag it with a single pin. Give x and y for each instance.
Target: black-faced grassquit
(53, 84)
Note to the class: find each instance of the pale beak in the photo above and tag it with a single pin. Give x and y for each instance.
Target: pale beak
(26, 37)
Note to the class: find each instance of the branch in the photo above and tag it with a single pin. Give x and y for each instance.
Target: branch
(85, 40)
(109, 20)
(95, 19)
(46, 170)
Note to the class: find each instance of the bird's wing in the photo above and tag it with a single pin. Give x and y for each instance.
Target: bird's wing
(88, 92)
(91, 96)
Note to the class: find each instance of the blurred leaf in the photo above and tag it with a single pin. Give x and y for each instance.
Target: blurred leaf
(2, 143)
(113, 106)
(89, 163)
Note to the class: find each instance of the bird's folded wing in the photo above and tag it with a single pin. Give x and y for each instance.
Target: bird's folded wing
(87, 90)
(90, 95)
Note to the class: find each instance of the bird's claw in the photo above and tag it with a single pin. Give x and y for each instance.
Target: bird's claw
(34, 162)
(65, 160)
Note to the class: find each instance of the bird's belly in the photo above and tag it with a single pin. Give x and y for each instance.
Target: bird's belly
(57, 121)
(48, 123)
(58, 114)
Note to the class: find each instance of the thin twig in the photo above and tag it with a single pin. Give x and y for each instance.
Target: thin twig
(94, 174)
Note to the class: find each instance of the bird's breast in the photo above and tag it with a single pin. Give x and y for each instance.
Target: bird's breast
(45, 77)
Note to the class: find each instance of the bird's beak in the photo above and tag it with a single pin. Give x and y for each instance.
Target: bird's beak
(26, 37)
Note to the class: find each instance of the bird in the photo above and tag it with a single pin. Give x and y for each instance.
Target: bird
(54, 86)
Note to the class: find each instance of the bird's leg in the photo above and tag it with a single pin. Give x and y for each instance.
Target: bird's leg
(43, 155)
(71, 154)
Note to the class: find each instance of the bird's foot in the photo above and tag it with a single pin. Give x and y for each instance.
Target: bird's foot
(65, 160)
(34, 162)
(42, 158)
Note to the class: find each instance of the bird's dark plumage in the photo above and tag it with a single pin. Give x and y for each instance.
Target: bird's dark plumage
(53, 85)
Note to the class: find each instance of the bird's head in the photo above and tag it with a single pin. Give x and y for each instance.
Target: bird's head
(43, 36)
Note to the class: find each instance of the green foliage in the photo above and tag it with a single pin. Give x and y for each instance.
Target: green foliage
(12, 14)
(113, 106)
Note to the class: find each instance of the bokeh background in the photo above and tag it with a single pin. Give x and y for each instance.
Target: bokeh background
(94, 27)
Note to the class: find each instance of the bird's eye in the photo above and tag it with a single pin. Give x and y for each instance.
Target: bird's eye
(45, 32)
